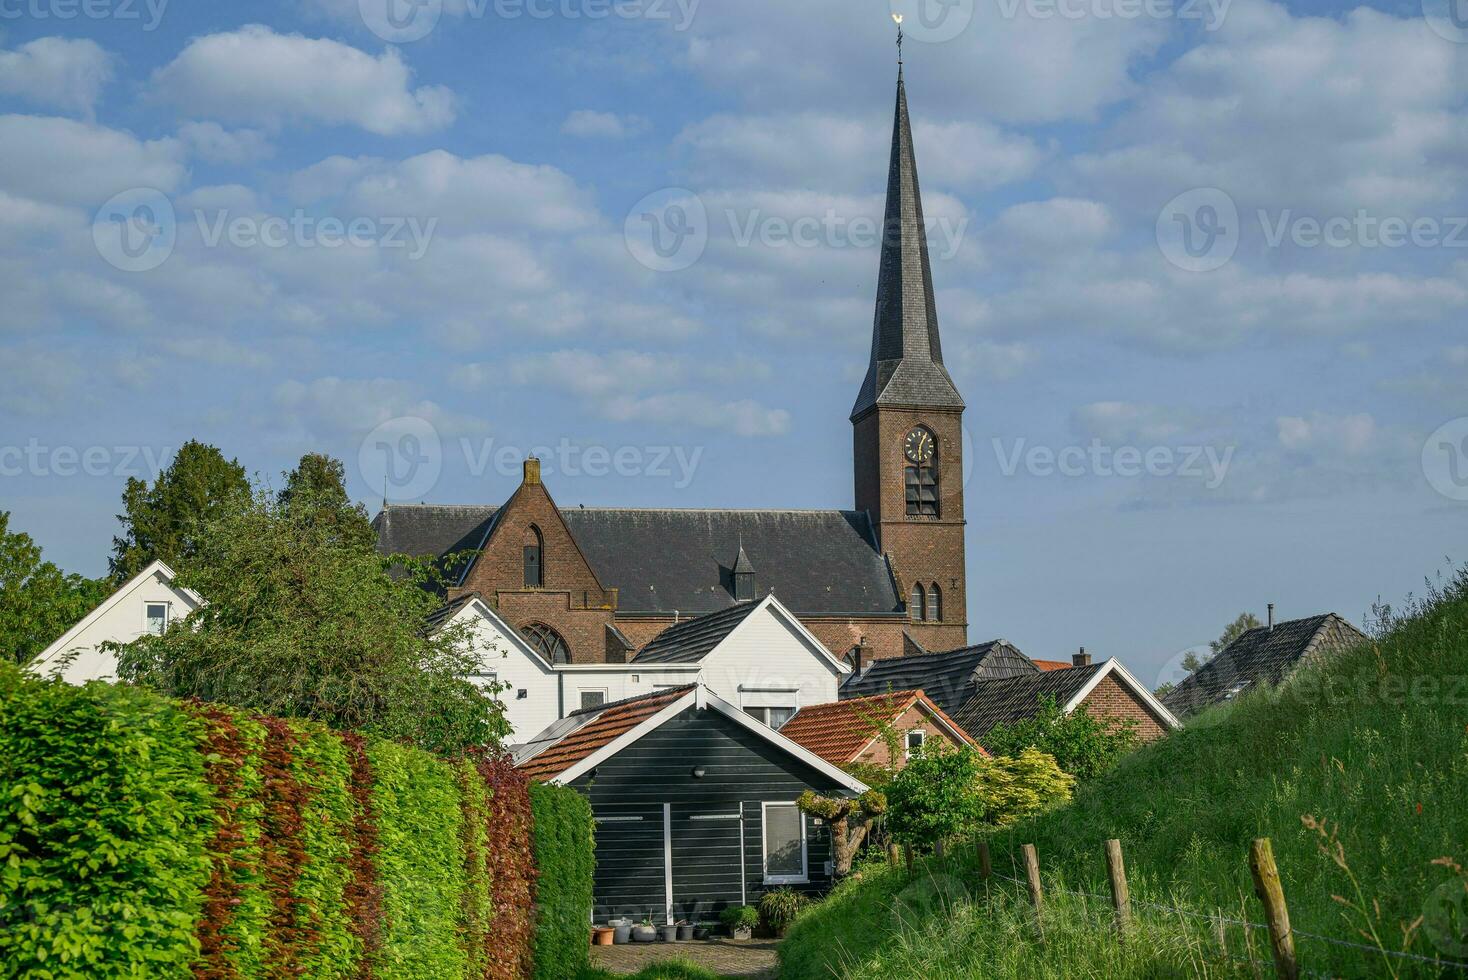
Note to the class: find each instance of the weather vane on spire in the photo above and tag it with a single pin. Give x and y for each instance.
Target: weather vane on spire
(897, 18)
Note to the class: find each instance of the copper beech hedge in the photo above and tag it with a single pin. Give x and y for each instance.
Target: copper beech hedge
(141, 837)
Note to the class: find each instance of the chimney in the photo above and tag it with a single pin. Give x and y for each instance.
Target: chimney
(1082, 659)
(858, 656)
(1271, 617)
(532, 471)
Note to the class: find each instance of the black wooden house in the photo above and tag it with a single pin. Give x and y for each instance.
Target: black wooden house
(694, 803)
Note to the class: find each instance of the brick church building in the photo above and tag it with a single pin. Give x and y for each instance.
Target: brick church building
(593, 585)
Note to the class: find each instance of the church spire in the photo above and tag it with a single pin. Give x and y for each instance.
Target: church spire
(907, 358)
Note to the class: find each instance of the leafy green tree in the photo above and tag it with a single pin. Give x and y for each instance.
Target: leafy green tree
(317, 487)
(38, 601)
(1023, 785)
(304, 620)
(164, 520)
(1083, 745)
(938, 795)
(1231, 632)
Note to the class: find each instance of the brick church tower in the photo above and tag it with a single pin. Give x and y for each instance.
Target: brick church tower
(908, 419)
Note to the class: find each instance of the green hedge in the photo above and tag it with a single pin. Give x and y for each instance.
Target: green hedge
(140, 837)
(564, 836)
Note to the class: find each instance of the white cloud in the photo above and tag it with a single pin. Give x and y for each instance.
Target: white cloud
(590, 124)
(624, 386)
(844, 153)
(212, 142)
(1059, 224)
(336, 406)
(1127, 423)
(69, 162)
(256, 75)
(57, 72)
(1352, 435)
(480, 193)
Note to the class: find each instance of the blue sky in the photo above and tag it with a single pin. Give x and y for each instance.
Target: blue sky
(1202, 272)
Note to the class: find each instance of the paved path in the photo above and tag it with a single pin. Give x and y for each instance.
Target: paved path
(755, 958)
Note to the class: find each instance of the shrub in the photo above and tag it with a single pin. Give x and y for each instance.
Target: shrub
(564, 859)
(739, 917)
(104, 818)
(936, 796)
(1083, 745)
(140, 837)
(779, 907)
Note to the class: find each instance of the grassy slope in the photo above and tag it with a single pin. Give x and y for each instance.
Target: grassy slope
(1384, 752)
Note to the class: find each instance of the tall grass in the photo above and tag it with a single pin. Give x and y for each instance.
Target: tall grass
(1357, 769)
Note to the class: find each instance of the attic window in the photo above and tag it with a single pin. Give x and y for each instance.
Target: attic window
(915, 739)
(157, 617)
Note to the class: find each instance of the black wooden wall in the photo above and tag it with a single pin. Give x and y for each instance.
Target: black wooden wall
(627, 793)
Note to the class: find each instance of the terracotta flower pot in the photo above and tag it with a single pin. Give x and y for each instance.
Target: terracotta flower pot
(601, 936)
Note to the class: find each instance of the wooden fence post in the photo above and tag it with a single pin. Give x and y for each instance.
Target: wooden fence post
(907, 855)
(1121, 899)
(986, 864)
(1032, 875)
(894, 854)
(938, 849)
(1276, 913)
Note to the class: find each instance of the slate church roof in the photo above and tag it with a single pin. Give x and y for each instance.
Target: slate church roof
(1263, 655)
(949, 679)
(667, 561)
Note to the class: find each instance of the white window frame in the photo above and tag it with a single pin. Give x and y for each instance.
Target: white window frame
(581, 693)
(907, 740)
(764, 857)
(167, 616)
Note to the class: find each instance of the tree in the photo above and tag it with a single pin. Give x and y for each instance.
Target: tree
(38, 601)
(851, 820)
(1021, 786)
(938, 795)
(317, 487)
(1083, 745)
(164, 520)
(1231, 632)
(304, 620)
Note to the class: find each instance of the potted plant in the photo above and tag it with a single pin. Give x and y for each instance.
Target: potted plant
(779, 908)
(685, 930)
(644, 932)
(621, 931)
(668, 933)
(601, 935)
(740, 920)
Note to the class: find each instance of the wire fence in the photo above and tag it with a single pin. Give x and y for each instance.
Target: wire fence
(1220, 919)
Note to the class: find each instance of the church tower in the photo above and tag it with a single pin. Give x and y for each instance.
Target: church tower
(908, 419)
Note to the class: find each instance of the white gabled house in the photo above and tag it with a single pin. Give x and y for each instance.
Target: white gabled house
(146, 603)
(755, 655)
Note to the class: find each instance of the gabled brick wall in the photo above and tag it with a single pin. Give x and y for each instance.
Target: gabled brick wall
(1111, 699)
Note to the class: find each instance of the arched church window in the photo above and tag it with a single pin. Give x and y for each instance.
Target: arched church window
(550, 643)
(920, 472)
(935, 603)
(917, 605)
(534, 558)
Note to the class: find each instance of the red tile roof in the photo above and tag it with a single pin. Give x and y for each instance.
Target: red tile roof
(609, 722)
(838, 731)
(1052, 664)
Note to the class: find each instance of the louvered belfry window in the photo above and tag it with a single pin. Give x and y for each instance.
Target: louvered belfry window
(922, 488)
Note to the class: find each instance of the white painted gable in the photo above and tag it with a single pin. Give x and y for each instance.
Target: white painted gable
(76, 657)
(771, 661)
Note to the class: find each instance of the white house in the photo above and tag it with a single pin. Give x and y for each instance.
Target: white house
(145, 604)
(756, 655)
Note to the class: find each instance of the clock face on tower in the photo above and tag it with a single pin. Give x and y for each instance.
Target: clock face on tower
(918, 446)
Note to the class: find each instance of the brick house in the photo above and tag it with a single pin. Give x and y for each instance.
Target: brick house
(993, 683)
(850, 732)
(594, 585)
